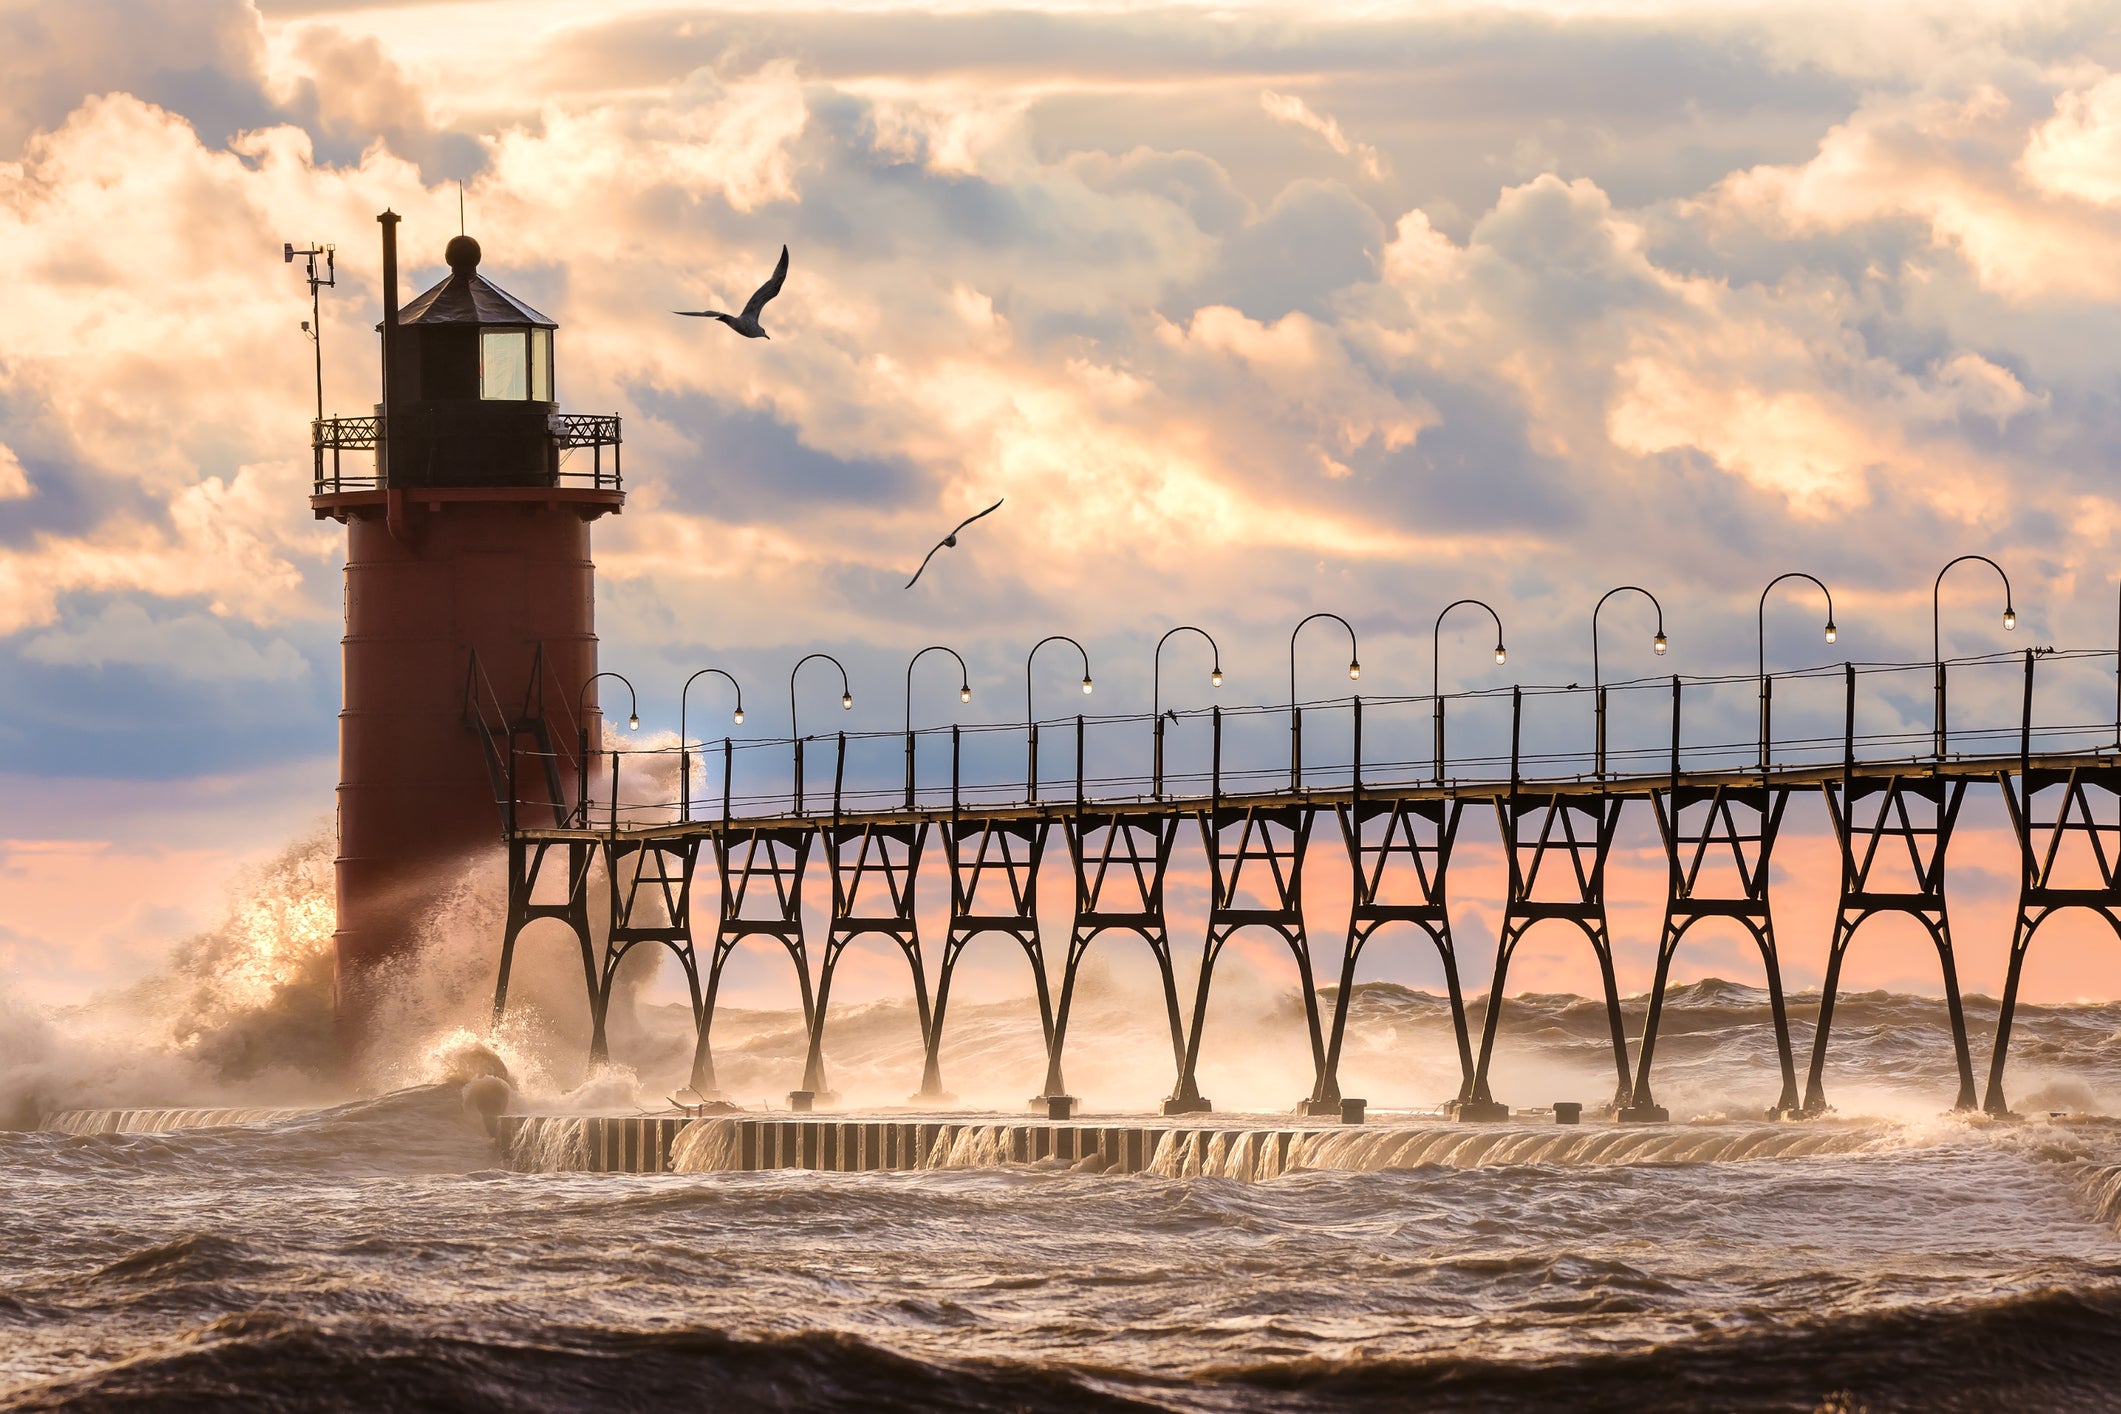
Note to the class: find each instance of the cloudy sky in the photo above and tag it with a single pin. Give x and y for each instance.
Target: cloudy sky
(1247, 311)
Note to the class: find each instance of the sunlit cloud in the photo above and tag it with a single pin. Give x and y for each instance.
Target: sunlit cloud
(1288, 108)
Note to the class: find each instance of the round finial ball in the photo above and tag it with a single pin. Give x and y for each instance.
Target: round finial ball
(462, 253)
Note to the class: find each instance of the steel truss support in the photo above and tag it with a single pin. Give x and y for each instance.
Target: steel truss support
(873, 868)
(1698, 823)
(1536, 830)
(1732, 828)
(760, 868)
(527, 857)
(1271, 840)
(1867, 812)
(1419, 834)
(1924, 835)
(2086, 815)
(1119, 863)
(659, 873)
(1915, 813)
(1004, 857)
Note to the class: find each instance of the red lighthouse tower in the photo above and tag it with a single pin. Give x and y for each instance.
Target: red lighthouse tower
(470, 602)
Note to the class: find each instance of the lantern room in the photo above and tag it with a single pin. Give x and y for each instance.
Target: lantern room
(470, 339)
(470, 392)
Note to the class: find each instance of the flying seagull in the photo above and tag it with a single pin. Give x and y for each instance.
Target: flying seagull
(950, 541)
(747, 323)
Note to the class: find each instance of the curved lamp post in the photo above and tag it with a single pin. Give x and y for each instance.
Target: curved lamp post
(685, 741)
(794, 734)
(581, 716)
(1657, 644)
(1767, 691)
(964, 694)
(1296, 716)
(1031, 721)
(1156, 697)
(2010, 622)
(1502, 655)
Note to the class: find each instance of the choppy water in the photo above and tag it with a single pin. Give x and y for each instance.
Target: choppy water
(373, 1255)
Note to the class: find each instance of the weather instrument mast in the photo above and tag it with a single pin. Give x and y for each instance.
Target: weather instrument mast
(314, 325)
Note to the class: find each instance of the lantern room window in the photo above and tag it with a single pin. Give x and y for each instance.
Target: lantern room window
(515, 365)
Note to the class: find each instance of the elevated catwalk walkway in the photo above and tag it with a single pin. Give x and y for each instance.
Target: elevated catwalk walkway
(2032, 727)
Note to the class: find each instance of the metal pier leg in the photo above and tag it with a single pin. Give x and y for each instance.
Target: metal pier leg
(2021, 938)
(1039, 983)
(692, 984)
(599, 1003)
(802, 982)
(1603, 946)
(1942, 932)
(1302, 948)
(1188, 1092)
(1504, 946)
(814, 1062)
(931, 1024)
(931, 1068)
(518, 920)
(1787, 1103)
(1667, 945)
(508, 953)
(1055, 1042)
(1447, 949)
(702, 1080)
(1327, 1090)
(1815, 1083)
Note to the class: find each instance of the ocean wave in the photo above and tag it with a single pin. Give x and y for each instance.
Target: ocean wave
(2057, 1350)
(2049, 1349)
(269, 1362)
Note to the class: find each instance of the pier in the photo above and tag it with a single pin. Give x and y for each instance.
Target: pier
(701, 875)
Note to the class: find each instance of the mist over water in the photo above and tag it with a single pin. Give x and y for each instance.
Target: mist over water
(372, 1253)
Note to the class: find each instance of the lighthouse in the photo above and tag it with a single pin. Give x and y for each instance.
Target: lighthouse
(470, 604)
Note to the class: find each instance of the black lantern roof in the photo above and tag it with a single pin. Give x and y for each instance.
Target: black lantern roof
(468, 297)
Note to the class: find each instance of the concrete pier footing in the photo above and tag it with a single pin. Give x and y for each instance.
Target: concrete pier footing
(754, 1144)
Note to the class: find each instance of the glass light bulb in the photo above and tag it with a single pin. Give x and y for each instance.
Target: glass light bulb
(846, 700)
(633, 722)
(1086, 687)
(964, 694)
(2010, 619)
(1659, 643)
(1830, 631)
(1502, 655)
(1354, 671)
(1215, 679)
(737, 716)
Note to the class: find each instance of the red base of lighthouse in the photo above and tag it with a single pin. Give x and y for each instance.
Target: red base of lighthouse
(467, 609)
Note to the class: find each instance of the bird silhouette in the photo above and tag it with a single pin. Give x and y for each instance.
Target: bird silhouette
(747, 323)
(949, 542)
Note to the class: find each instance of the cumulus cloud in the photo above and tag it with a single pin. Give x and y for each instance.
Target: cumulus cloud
(187, 645)
(1288, 108)
(14, 481)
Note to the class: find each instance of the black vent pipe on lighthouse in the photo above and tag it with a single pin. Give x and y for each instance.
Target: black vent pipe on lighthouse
(394, 498)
